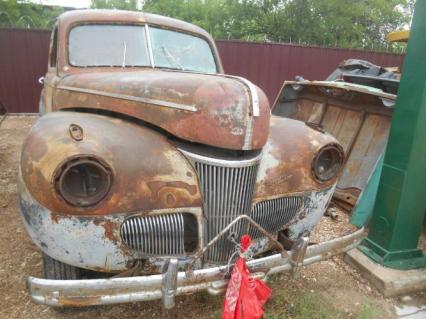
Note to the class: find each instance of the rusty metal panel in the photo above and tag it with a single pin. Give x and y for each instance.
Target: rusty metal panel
(355, 116)
(23, 59)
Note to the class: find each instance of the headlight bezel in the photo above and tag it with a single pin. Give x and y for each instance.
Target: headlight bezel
(67, 172)
(333, 152)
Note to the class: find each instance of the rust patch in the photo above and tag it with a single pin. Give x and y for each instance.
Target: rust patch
(286, 164)
(153, 159)
(157, 186)
(80, 302)
(170, 199)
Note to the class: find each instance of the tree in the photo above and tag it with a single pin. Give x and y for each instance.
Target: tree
(343, 23)
(24, 14)
(132, 5)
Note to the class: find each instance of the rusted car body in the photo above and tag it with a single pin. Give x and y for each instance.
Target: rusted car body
(150, 169)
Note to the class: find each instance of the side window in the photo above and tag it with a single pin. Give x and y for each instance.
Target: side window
(54, 48)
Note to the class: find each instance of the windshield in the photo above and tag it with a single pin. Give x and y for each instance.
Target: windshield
(182, 51)
(108, 45)
(99, 45)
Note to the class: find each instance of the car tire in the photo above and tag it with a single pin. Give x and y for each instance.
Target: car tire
(54, 269)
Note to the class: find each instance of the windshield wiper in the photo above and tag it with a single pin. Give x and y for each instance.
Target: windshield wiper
(171, 58)
(124, 54)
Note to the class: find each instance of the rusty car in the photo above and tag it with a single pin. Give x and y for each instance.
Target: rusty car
(148, 164)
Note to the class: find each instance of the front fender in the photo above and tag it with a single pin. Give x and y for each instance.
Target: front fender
(286, 165)
(148, 172)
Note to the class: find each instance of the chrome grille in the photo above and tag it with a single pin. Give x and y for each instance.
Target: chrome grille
(157, 235)
(275, 214)
(227, 190)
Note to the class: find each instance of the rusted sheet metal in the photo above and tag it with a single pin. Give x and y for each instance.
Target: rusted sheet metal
(209, 109)
(79, 293)
(286, 165)
(357, 116)
(100, 244)
(155, 176)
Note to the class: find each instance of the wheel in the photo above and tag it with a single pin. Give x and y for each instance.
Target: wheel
(54, 269)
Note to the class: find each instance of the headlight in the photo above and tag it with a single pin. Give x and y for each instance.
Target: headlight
(327, 163)
(83, 181)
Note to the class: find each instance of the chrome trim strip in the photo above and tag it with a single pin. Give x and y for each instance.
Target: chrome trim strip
(253, 93)
(88, 292)
(183, 107)
(255, 109)
(148, 39)
(222, 162)
(249, 134)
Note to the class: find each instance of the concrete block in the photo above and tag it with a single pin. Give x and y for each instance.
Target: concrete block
(390, 282)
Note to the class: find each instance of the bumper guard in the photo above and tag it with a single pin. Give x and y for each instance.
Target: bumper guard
(87, 292)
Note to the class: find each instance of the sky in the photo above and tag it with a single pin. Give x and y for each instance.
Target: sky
(65, 3)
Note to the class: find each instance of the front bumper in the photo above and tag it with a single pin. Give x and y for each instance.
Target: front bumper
(172, 283)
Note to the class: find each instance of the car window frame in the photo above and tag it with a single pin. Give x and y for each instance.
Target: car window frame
(149, 46)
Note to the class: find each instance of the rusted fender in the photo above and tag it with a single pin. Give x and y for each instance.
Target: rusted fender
(148, 172)
(286, 165)
(216, 110)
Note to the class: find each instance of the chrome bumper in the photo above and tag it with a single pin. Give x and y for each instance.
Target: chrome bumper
(172, 283)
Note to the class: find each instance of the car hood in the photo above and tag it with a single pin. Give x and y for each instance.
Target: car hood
(217, 110)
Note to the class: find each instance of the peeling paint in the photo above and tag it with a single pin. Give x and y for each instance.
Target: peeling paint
(315, 206)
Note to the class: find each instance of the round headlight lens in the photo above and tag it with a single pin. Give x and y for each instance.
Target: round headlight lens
(83, 181)
(327, 163)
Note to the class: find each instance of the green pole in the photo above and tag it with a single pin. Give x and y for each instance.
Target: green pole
(400, 204)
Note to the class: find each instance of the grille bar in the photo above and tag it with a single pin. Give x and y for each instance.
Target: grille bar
(227, 193)
(275, 214)
(157, 235)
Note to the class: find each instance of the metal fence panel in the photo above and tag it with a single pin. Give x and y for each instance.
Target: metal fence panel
(269, 64)
(23, 59)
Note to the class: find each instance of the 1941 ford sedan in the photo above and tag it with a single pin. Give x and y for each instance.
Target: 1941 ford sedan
(148, 164)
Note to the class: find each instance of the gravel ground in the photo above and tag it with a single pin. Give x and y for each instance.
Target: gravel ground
(19, 257)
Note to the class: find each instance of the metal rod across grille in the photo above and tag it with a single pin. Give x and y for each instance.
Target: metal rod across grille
(224, 203)
(227, 187)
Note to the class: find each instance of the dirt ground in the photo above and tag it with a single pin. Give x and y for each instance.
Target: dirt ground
(328, 289)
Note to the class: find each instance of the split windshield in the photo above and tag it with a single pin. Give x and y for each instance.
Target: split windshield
(103, 45)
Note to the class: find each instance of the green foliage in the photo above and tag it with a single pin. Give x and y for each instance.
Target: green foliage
(342, 23)
(115, 4)
(24, 14)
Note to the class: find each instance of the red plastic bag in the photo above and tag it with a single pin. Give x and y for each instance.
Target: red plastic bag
(245, 296)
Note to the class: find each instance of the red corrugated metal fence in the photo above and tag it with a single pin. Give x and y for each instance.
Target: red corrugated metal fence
(269, 64)
(23, 59)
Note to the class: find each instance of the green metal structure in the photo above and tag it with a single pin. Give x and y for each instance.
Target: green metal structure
(363, 209)
(400, 204)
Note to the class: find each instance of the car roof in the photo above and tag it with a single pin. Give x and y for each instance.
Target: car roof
(73, 17)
